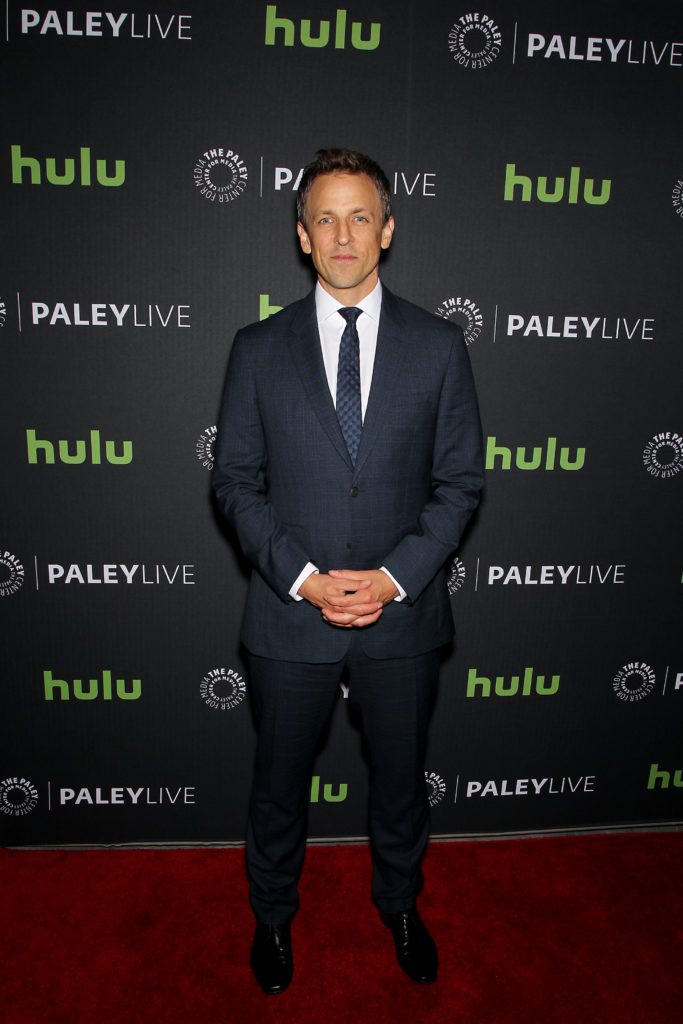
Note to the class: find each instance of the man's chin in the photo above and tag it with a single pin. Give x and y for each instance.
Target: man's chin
(342, 283)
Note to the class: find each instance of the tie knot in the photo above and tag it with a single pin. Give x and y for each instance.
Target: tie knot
(350, 314)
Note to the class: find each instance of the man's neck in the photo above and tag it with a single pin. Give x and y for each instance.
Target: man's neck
(351, 296)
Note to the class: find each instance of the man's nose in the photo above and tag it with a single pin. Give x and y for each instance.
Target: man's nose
(343, 232)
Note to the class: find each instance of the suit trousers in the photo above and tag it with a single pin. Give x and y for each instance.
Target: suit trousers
(293, 702)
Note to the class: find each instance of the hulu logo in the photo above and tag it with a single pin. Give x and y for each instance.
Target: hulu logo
(514, 181)
(90, 689)
(66, 175)
(659, 778)
(83, 451)
(265, 308)
(540, 457)
(328, 794)
(481, 685)
(281, 32)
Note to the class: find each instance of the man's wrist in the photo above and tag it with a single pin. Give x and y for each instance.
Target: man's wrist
(308, 570)
(401, 592)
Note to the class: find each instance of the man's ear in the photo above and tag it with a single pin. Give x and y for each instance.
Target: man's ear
(304, 240)
(387, 233)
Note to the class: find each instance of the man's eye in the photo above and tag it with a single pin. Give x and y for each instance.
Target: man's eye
(361, 217)
(325, 220)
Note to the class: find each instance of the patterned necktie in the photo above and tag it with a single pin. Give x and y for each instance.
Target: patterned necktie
(348, 382)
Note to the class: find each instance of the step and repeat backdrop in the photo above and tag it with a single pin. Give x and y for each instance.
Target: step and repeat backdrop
(149, 161)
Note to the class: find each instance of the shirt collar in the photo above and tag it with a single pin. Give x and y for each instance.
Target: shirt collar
(326, 305)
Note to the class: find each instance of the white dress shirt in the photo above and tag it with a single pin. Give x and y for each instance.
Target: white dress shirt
(330, 328)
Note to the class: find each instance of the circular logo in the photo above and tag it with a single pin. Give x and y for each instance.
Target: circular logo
(677, 197)
(474, 41)
(17, 797)
(465, 313)
(11, 574)
(220, 175)
(634, 681)
(204, 447)
(663, 455)
(222, 689)
(456, 576)
(436, 787)
(3, 313)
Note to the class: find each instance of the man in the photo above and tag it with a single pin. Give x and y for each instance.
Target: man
(348, 461)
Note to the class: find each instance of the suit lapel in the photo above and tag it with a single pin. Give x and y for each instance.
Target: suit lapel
(304, 344)
(389, 359)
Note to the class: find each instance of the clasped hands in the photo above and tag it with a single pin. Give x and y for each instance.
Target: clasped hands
(349, 598)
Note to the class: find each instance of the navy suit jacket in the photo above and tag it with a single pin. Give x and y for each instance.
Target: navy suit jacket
(284, 480)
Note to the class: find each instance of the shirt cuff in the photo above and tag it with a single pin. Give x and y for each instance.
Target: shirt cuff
(401, 592)
(307, 571)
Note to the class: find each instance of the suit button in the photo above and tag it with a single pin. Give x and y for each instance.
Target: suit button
(354, 492)
(349, 545)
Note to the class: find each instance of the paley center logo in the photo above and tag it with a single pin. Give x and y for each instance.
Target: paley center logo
(580, 326)
(603, 49)
(436, 788)
(457, 574)
(204, 446)
(93, 450)
(107, 24)
(634, 681)
(114, 573)
(677, 197)
(3, 312)
(545, 456)
(11, 574)
(222, 689)
(27, 170)
(221, 175)
(280, 31)
(474, 41)
(663, 454)
(463, 312)
(104, 314)
(521, 187)
(18, 796)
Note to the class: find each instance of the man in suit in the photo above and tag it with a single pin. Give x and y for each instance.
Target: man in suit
(348, 460)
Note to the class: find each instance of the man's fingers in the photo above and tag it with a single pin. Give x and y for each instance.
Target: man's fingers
(359, 608)
(352, 575)
(364, 618)
(347, 601)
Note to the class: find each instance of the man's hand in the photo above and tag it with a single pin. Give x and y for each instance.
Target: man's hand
(347, 597)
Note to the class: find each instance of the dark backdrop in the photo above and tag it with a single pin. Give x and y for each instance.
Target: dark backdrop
(535, 155)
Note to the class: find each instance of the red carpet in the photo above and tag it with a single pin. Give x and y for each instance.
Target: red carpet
(568, 929)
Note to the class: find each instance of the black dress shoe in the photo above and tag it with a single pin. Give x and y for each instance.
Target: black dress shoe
(415, 949)
(271, 957)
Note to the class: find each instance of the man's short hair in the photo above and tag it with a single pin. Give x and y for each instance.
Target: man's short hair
(343, 161)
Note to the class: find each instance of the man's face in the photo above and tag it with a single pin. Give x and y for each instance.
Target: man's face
(344, 234)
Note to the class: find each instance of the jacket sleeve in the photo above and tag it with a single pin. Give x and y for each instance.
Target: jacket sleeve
(239, 478)
(457, 479)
